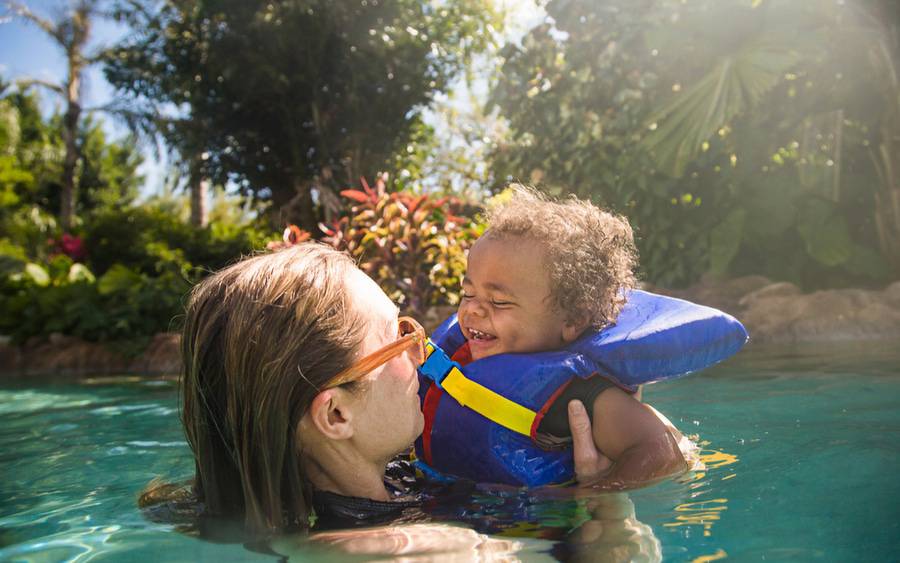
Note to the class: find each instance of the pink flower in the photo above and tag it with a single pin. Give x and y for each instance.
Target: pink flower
(71, 246)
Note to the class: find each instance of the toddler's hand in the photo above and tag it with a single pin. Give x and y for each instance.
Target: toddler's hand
(590, 463)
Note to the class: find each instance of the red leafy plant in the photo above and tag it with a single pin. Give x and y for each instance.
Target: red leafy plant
(292, 235)
(413, 245)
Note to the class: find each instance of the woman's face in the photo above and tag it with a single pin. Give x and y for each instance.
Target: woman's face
(390, 417)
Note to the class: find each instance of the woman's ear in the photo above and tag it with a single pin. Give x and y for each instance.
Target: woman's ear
(331, 414)
(573, 328)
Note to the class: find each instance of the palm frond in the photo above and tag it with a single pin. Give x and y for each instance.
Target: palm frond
(735, 85)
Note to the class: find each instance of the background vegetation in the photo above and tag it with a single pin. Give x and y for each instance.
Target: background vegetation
(738, 136)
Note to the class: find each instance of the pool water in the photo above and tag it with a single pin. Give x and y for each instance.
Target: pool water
(801, 447)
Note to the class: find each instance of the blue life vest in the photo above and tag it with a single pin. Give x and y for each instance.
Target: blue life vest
(654, 338)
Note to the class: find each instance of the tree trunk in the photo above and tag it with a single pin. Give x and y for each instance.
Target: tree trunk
(69, 196)
(199, 208)
(305, 211)
(71, 33)
(299, 209)
(199, 187)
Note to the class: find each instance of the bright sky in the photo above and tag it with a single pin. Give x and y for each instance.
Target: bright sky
(26, 51)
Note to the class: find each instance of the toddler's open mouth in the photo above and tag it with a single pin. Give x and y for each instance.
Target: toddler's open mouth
(480, 336)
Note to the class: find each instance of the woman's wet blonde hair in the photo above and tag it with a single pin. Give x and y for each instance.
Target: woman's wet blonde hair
(589, 253)
(260, 339)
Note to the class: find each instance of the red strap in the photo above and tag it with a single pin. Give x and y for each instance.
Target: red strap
(429, 409)
(540, 414)
(463, 354)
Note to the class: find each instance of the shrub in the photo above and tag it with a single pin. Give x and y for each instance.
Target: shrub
(139, 264)
(413, 246)
(65, 297)
(149, 239)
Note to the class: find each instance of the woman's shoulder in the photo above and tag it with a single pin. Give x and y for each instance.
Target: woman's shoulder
(334, 510)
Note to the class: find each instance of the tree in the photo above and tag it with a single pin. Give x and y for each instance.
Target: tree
(734, 134)
(32, 155)
(576, 93)
(293, 100)
(808, 61)
(884, 22)
(71, 33)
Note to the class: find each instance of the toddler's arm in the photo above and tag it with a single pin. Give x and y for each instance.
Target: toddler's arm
(630, 445)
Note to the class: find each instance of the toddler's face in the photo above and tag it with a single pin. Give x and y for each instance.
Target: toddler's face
(506, 305)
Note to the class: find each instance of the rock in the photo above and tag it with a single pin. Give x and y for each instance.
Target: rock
(880, 320)
(62, 355)
(780, 289)
(738, 287)
(822, 316)
(892, 294)
(10, 358)
(162, 356)
(69, 356)
(724, 295)
(829, 316)
(58, 339)
(771, 319)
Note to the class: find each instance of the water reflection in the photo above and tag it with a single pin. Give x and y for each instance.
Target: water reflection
(564, 524)
(411, 542)
(703, 513)
(467, 521)
(612, 534)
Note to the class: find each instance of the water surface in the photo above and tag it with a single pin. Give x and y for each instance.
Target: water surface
(801, 445)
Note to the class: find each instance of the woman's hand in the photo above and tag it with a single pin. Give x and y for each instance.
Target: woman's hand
(590, 463)
(631, 446)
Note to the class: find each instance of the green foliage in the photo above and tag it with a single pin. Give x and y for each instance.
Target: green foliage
(825, 233)
(733, 87)
(141, 260)
(577, 109)
(285, 97)
(108, 177)
(737, 137)
(65, 297)
(141, 264)
(28, 229)
(31, 156)
(725, 241)
(412, 245)
(151, 240)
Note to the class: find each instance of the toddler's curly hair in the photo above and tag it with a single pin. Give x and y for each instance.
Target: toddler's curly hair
(589, 253)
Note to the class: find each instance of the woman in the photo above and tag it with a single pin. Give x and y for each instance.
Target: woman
(299, 386)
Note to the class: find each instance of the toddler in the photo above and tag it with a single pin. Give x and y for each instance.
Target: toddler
(543, 273)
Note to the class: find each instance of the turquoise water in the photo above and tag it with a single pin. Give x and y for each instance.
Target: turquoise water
(801, 446)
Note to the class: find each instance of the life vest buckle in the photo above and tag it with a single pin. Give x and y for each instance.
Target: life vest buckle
(437, 364)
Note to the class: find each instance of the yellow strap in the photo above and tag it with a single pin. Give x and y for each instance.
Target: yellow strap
(491, 405)
(488, 404)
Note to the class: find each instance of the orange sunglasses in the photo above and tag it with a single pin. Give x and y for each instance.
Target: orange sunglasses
(411, 336)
